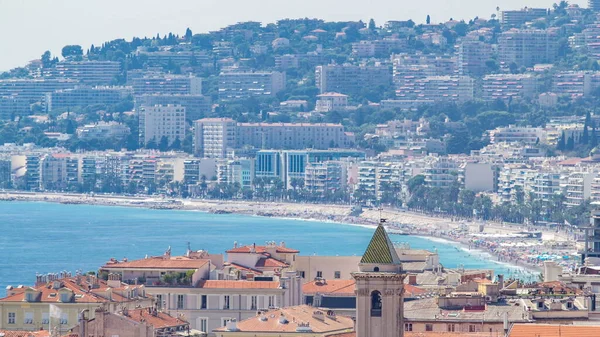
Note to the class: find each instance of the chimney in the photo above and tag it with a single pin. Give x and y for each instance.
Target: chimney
(232, 325)
(282, 244)
(114, 280)
(412, 279)
(235, 244)
(500, 281)
(249, 276)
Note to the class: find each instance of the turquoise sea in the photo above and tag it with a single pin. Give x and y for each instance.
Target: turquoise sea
(37, 237)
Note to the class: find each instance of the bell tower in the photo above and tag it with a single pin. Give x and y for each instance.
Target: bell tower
(380, 289)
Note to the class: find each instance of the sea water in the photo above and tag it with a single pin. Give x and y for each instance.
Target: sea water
(38, 237)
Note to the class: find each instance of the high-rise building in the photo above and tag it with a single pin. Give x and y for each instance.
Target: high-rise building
(235, 85)
(594, 5)
(527, 47)
(89, 72)
(158, 121)
(213, 136)
(166, 84)
(33, 90)
(32, 175)
(84, 96)
(196, 106)
(351, 79)
(472, 57)
(437, 89)
(508, 87)
(521, 16)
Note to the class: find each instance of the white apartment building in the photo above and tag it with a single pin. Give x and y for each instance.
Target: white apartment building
(166, 84)
(84, 96)
(480, 177)
(377, 178)
(91, 72)
(34, 90)
(521, 16)
(351, 79)
(527, 47)
(238, 171)
(293, 135)
(103, 130)
(511, 180)
(243, 85)
(440, 171)
(196, 105)
(578, 187)
(545, 185)
(575, 84)
(331, 101)
(159, 121)
(508, 87)
(516, 134)
(472, 57)
(438, 89)
(213, 136)
(325, 177)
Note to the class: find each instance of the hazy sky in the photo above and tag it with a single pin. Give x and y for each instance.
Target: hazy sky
(29, 27)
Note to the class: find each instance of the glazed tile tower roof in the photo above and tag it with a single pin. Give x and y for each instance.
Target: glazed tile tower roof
(380, 249)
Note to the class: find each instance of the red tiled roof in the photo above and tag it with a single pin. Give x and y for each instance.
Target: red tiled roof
(240, 267)
(158, 263)
(446, 334)
(294, 316)
(262, 249)
(158, 321)
(554, 330)
(20, 333)
(81, 292)
(340, 287)
(412, 290)
(269, 262)
(230, 284)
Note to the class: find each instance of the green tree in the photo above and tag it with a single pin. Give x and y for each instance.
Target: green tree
(372, 25)
(72, 51)
(163, 145)
(428, 19)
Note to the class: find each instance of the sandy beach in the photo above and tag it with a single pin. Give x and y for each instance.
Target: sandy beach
(497, 239)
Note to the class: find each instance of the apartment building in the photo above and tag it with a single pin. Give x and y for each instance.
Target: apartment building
(377, 178)
(577, 187)
(56, 301)
(158, 58)
(58, 171)
(331, 101)
(234, 85)
(508, 87)
(33, 172)
(521, 16)
(5, 172)
(82, 96)
(594, 5)
(527, 47)
(239, 171)
(408, 65)
(103, 130)
(158, 121)
(437, 88)
(575, 84)
(480, 177)
(33, 90)
(546, 185)
(472, 56)
(351, 79)
(89, 72)
(13, 106)
(325, 178)
(440, 172)
(293, 135)
(166, 84)
(196, 106)
(516, 134)
(214, 136)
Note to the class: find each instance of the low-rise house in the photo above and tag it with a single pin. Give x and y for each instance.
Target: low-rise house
(294, 321)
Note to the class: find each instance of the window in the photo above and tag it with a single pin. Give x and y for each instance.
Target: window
(203, 324)
(472, 328)
(64, 318)
(337, 274)
(12, 318)
(180, 301)
(225, 320)
(407, 326)
(28, 318)
(203, 301)
(375, 304)
(65, 297)
(428, 327)
(45, 318)
(272, 303)
(451, 327)
(319, 273)
(253, 302)
(302, 274)
(225, 303)
(159, 301)
(569, 305)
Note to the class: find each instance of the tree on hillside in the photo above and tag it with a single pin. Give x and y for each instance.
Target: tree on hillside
(372, 24)
(188, 34)
(428, 20)
(72, 51)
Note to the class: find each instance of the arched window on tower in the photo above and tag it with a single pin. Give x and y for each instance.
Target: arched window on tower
(375, 303)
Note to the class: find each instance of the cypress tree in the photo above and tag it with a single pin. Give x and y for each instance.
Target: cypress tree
(561, 142)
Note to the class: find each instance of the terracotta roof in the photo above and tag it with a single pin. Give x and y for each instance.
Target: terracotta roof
(270, 262)
(240, 267)
(20, 333)
(339, 287)
(158, 321)
(553, 330)
(412, 290)
(380, 249)
(81, 292)
(158, 263)
(294, 316)
(446, 334)
(262, 249)
(230, 284)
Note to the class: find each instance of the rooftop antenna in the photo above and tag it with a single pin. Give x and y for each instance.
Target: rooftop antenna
(381, 219)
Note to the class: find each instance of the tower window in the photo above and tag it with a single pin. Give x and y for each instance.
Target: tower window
(375, 304)
(376, 269)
